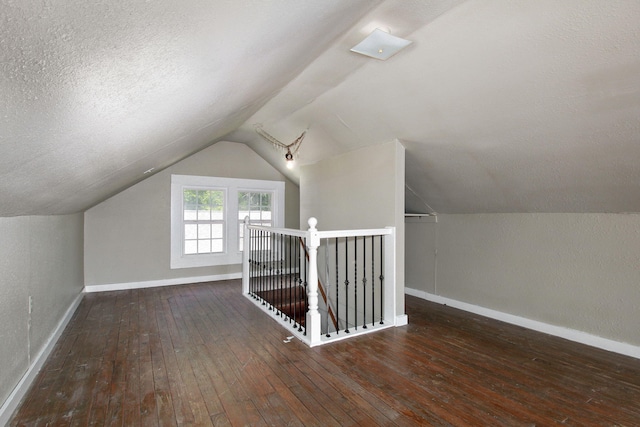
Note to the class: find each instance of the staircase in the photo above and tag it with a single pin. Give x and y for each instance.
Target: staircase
(291, 302)
(280, 273)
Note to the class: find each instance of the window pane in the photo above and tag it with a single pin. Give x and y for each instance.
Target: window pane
(204, 246)
(190, 247)
(204, 231)
(204, 197)
(266, 200)
(217, 215)
(190, 231)
(217, 200)
(216, 245)
(190, 204)
(217, 231)
(190, 197)
(202, 207)
(243, 201)
(190, 214)
(258, 207)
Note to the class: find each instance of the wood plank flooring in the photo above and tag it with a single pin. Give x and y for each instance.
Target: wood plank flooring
(203, 355)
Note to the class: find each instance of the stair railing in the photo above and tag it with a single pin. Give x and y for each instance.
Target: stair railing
(323, 290)
(281, 276)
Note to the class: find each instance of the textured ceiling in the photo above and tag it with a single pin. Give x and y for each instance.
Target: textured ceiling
(95, 93)
(503, 106)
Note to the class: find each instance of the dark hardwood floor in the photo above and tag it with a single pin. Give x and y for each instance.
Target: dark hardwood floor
(204, 355)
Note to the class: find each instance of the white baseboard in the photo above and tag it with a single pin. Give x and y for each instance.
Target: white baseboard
(566, 333)
(402, 320)
(14, 399)
(162, 282)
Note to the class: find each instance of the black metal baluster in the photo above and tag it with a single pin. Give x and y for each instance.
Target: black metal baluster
(255, 279)
(276, 285)
(300, 249)
(283, 280)
(263, 265)
(280, 276)
(364, 281)
(294, 248)
(381, 278)
(278, 297)
(251, 271)
(255, 256)
(373, 282)
(346, 282)
(326, 261)
(271, 271)
(298, 280)
(289, 273)
(306, 294)
(355, 281)
(337, 293)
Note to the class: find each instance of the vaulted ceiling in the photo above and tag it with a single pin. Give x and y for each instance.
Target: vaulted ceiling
(503, 106)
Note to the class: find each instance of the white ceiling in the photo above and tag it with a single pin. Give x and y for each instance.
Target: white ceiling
(503, 106)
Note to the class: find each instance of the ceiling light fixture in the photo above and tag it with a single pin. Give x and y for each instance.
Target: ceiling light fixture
(380, 45)
(290, 150)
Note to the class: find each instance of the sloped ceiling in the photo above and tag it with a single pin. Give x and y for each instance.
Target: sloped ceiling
(95, 93)
(503, 106)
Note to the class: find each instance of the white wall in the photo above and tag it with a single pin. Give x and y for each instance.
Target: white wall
(41, 258)
(359, 189)
(576, 271)
(419, 256)
(127, 237)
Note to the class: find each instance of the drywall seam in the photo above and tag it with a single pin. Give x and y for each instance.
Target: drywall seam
(566, 333)
(14, 399)
(158, 283)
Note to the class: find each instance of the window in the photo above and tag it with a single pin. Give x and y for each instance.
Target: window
(258, 207)
(203, 218)
(207, 215)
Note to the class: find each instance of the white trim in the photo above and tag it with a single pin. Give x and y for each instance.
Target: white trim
(558, 331)
(402, 320)
(162, 282)
(14, 399)
(330, 234)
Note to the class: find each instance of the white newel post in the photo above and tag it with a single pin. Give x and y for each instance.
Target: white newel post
(390, 277)
(313, 315)
(246, 250)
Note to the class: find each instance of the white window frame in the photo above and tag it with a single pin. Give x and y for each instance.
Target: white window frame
(231, 253)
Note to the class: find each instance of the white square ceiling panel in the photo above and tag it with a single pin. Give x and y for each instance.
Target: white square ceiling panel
(380, 45)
